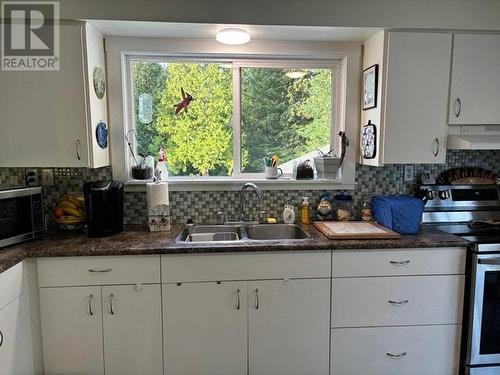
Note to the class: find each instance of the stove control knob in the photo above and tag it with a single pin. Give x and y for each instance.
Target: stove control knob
(431, 194)
(444, 194)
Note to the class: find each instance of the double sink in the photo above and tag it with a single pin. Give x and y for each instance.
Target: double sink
(242, 232)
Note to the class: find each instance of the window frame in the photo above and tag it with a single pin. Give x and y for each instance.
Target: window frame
(337, 99)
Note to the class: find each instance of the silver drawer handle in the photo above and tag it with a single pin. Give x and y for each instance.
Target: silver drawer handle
(238, 299)
(396, 356)
(1, 338)
(399, 303)
(91, 312)
(100, 271)
(256, 298)
(399, 263)
(111, 309)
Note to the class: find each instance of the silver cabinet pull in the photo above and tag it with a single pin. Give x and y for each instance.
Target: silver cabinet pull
(435, 142)
(256, 299)
(91, 312)
(238, 299)
(100, 271)
(396, 356)
(77, 145)
(399, 263)
(111, 309)
(458, 107)
(1, 338)
(399, 303)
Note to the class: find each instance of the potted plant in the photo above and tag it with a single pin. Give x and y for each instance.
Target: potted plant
(142, 165)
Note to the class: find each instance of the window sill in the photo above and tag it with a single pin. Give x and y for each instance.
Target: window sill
(222, 184)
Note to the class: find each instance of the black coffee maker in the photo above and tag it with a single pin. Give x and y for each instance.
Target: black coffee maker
(104, 207)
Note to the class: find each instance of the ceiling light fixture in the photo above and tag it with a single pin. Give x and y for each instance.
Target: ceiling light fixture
(232, 36)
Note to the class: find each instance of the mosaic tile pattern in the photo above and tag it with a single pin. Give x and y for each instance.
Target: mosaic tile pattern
(202, 207)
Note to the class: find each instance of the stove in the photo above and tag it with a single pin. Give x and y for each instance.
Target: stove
(473, 213)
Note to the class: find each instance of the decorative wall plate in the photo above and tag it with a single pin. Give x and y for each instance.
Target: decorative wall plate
(369, 141)
(99, 80)
(101, 135)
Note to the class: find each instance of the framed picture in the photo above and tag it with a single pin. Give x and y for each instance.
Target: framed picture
(370, 83)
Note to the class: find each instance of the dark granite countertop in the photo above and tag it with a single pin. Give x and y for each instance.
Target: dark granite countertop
(137, 240)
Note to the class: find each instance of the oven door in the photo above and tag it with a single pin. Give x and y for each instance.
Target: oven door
(484, 335)
(16, 220)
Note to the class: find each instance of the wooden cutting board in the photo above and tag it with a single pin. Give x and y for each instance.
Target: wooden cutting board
(354, 230)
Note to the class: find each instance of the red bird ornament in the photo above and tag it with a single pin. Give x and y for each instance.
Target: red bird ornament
(183, 105)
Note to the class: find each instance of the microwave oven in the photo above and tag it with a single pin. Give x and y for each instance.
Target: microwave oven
(21, 214)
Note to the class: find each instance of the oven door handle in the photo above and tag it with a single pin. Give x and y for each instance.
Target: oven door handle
(490, 261)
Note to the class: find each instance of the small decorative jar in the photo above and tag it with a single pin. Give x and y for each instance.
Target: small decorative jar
(344, 207)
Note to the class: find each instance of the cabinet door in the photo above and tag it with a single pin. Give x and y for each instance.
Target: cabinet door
(72, 330)
(132, 330)
(16, 355)
(43, 113)
(418, 70)
(205, 328)
(289, 327)
(475, 80)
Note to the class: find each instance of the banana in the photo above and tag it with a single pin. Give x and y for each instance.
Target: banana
(76, 201)
(72, 211)
(67, 203)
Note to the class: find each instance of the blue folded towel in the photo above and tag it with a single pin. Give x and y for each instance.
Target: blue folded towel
(400, 213)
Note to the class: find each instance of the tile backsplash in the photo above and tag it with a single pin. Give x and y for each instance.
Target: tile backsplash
(203, 206)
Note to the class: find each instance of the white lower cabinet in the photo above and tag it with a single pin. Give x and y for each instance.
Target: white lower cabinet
(102, 330)
(288, 327)
(132, 330)
(205, 327)
(72, 330)
(415, 350)
(16, 355)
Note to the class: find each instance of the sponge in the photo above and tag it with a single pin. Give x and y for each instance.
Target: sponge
(271, 220)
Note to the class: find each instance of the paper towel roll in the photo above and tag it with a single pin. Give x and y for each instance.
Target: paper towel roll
(157, 193)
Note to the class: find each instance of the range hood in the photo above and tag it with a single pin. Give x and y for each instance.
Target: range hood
(474, 137)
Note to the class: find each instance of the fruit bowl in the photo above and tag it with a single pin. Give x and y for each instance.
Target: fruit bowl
(69, 212)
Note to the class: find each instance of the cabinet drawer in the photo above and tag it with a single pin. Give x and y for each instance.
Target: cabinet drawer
(430, 350)
(387, 301)
(224, 267)
(11, 284)
(70, 271)
(399, 262)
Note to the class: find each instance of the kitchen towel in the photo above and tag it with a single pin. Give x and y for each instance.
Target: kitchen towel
(157, 194)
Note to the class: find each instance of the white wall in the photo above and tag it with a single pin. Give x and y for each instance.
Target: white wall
(349, 53)
(456, 14)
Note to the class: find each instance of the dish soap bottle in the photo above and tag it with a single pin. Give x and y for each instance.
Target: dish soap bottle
(288, 213)
(161, 171)
(305, 211)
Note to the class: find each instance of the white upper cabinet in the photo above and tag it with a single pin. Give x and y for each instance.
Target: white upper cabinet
(413, 96)
(475, 80)
(49, 119)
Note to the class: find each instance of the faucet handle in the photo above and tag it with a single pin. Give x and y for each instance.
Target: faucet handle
(222, 217)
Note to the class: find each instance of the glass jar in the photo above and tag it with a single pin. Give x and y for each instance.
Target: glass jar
(365, 209)
(344, 207)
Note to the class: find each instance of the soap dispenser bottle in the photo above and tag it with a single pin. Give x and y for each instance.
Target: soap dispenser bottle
(305, 211)
(288, 213)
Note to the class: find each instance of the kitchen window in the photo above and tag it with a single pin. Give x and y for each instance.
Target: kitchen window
(241, 112)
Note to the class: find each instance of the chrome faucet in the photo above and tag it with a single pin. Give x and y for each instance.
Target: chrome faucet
(241, 207)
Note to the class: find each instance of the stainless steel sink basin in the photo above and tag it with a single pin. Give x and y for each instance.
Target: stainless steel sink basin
(242, 232)
(211, 233)
(268, 232)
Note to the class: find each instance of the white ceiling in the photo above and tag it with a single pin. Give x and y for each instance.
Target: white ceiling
(257, 32)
